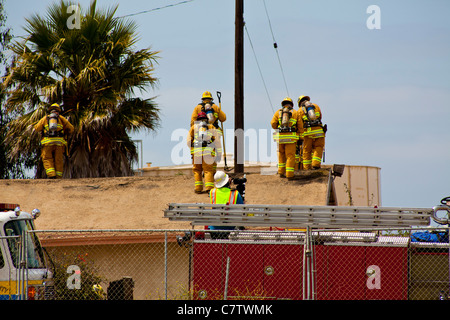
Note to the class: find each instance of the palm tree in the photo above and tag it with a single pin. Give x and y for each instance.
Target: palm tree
(93, 72)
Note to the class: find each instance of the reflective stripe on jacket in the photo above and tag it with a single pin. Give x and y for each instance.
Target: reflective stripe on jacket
(203, 148)
(218, 113)
(290, 136)
(63, 124)
(313, 132)
(225, 196)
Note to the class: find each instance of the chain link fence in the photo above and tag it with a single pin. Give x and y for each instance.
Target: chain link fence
(388, 264)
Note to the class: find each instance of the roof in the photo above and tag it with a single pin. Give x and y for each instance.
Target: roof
(138, 202)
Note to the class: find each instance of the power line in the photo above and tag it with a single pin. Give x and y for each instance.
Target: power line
(257, 63)
(275, 45)
(142, 12)
(155, 9)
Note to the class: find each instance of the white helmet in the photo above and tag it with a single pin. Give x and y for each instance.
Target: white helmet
(220, 179)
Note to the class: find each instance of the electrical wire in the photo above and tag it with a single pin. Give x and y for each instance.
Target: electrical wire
(257, 63)
(275, 45)
(141, 12)
(155, 9)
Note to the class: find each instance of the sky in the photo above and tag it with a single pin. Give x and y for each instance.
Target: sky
(381, 78)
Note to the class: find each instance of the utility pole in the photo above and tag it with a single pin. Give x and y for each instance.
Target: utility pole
(239, 89)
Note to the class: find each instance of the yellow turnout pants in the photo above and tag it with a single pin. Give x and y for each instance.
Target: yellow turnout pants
(286, 159)
(53, 159)
(201, 165)
(312, 152)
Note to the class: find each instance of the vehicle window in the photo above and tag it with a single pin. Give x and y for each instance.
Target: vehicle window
(34, 253)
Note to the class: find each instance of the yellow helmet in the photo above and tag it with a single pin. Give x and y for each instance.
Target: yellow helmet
(301, 98)
(54, 106)
(207, 95)
(287, 100)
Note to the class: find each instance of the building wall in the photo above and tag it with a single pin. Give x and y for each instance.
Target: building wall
(143, 262)
(359, 186)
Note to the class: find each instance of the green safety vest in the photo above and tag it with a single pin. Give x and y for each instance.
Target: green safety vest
(223, 196)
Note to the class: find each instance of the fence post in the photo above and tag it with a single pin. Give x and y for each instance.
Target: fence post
(225, 295)
(307, 266)
(165, 263)
(23, 267)
(191, 250)
(313, 271)
(304, 267)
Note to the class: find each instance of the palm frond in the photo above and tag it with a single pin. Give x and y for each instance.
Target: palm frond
(93, 72)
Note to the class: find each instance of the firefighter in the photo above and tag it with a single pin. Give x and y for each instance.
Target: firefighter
(202, 140)
(55, 130)
(214, 115)
(313, 133)
(213, 112)
(286, 123)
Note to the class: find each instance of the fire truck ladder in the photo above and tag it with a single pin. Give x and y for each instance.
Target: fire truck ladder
(294, 216)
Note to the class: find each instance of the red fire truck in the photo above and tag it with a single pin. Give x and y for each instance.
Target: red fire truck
(315, 252)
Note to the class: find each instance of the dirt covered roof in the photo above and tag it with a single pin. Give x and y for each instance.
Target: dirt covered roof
(138, 202)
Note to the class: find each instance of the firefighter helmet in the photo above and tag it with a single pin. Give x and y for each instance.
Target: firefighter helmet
(55, 107)
(287, 100)
(220, 179)
(207, 95)
(301, 98)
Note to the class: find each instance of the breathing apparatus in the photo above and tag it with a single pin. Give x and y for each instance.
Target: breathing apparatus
(304, 102)
(52, 123)
(310, 110)
(207, 106)
(286, 115)
(201, 128)
(53, 119)
(209, 113)
(286, 112)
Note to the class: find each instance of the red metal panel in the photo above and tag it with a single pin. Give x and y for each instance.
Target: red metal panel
(283, 265)
(246, 271)
(390, 279)
(321, 272)
(341, 272)
(208, 271)
(346, 273)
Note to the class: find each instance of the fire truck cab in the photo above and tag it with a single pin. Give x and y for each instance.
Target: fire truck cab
(24, 274)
